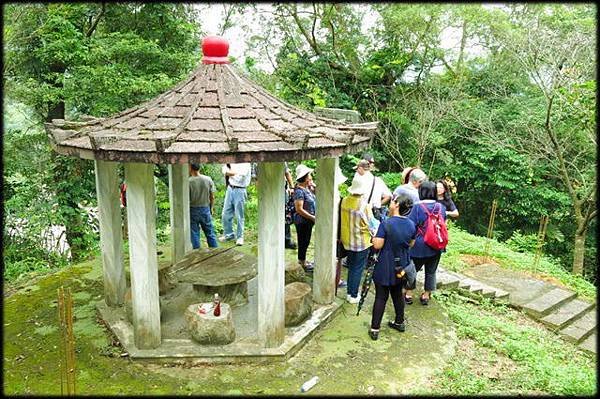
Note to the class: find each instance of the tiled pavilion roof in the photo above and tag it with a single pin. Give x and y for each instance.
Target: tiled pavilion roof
(215, 115)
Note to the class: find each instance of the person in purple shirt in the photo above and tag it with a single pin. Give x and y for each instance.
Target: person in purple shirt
(421, 253)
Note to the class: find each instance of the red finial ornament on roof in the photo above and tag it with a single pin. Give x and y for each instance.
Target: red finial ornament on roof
(215, 50)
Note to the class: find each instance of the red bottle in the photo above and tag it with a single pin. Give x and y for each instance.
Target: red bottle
(217, 305)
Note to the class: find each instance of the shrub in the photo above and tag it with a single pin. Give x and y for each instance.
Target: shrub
(522, 242)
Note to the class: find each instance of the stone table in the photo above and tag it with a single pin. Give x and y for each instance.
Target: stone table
(208, 329)
(217, 270)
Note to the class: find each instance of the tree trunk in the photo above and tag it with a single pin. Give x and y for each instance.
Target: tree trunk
(579, 251)
(74, 221)
(56, 111)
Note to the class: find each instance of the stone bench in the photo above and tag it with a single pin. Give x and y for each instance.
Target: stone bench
(208, 329)
(294, 272)
(298, 303)
(222, 271)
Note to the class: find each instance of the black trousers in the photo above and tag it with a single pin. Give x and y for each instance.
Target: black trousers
(431, 264)
(381, 296)
(304, 232)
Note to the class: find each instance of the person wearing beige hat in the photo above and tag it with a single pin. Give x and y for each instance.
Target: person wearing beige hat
(379, 194)
(355, 234)
(304, 216)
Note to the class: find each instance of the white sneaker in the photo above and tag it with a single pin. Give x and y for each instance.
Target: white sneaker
(240, 241)
(225, 238)
(352, 300)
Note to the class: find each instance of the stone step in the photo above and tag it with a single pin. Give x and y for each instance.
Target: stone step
(465, 283)
(501, 295)
(452, 280)
(488, 292)
(589, 344)
(475, 287)
(580, 329)
(567, 313)
(446, 280)
(546, 303)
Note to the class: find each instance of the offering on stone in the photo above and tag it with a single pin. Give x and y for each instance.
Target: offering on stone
(205, 308)
(217, 305)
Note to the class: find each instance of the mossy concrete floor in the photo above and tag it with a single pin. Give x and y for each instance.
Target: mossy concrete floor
(341, 354)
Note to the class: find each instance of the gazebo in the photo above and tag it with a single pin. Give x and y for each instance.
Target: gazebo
(213, 116)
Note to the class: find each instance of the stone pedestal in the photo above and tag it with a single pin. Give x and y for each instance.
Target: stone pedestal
(233, 294)
(208, 329)
(294, 272)
(298, 303)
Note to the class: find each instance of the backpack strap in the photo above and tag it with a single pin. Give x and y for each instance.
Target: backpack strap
(372, 187)
(421, 227)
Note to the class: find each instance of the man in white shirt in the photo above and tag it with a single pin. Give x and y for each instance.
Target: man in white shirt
(378, 194)
(415, 178)
(238, 177)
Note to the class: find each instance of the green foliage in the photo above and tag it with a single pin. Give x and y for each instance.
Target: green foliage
(522, 242)
(479, 120)
(73, 59)
(392, 180)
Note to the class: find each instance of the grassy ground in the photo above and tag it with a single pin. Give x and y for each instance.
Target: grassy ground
(498, 351)
(501, 351)
(346, 360)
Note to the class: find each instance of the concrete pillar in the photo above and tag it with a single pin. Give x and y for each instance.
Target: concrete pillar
(271, 262)
(143, 262)
(179, 197)
(109, 212)
(325, 231)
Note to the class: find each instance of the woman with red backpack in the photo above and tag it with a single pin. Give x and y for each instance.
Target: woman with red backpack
(429, 216)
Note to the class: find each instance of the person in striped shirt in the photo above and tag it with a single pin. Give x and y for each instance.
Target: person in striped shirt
(355, 234)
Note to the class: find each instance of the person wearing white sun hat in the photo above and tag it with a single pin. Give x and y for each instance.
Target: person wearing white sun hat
(304, 216)
(355, 234)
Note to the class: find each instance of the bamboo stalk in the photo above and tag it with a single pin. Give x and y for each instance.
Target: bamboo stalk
(66, 342)
(490, 231)
(61, 363)
(540, 240)
(71, 341)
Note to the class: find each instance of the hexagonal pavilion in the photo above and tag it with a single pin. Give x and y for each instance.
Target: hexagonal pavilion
(213, 116)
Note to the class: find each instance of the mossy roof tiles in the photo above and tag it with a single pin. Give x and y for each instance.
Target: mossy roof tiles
(214, 115)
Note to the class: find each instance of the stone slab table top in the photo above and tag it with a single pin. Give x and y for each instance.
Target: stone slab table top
(215, 267)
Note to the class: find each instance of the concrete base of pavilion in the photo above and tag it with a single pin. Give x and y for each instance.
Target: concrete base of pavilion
(178, 347)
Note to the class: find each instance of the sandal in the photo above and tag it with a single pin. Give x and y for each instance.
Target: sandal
(408, 300)
(424, 301)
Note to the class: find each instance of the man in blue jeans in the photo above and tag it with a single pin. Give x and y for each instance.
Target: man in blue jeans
(238, 176)
(202, 199)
